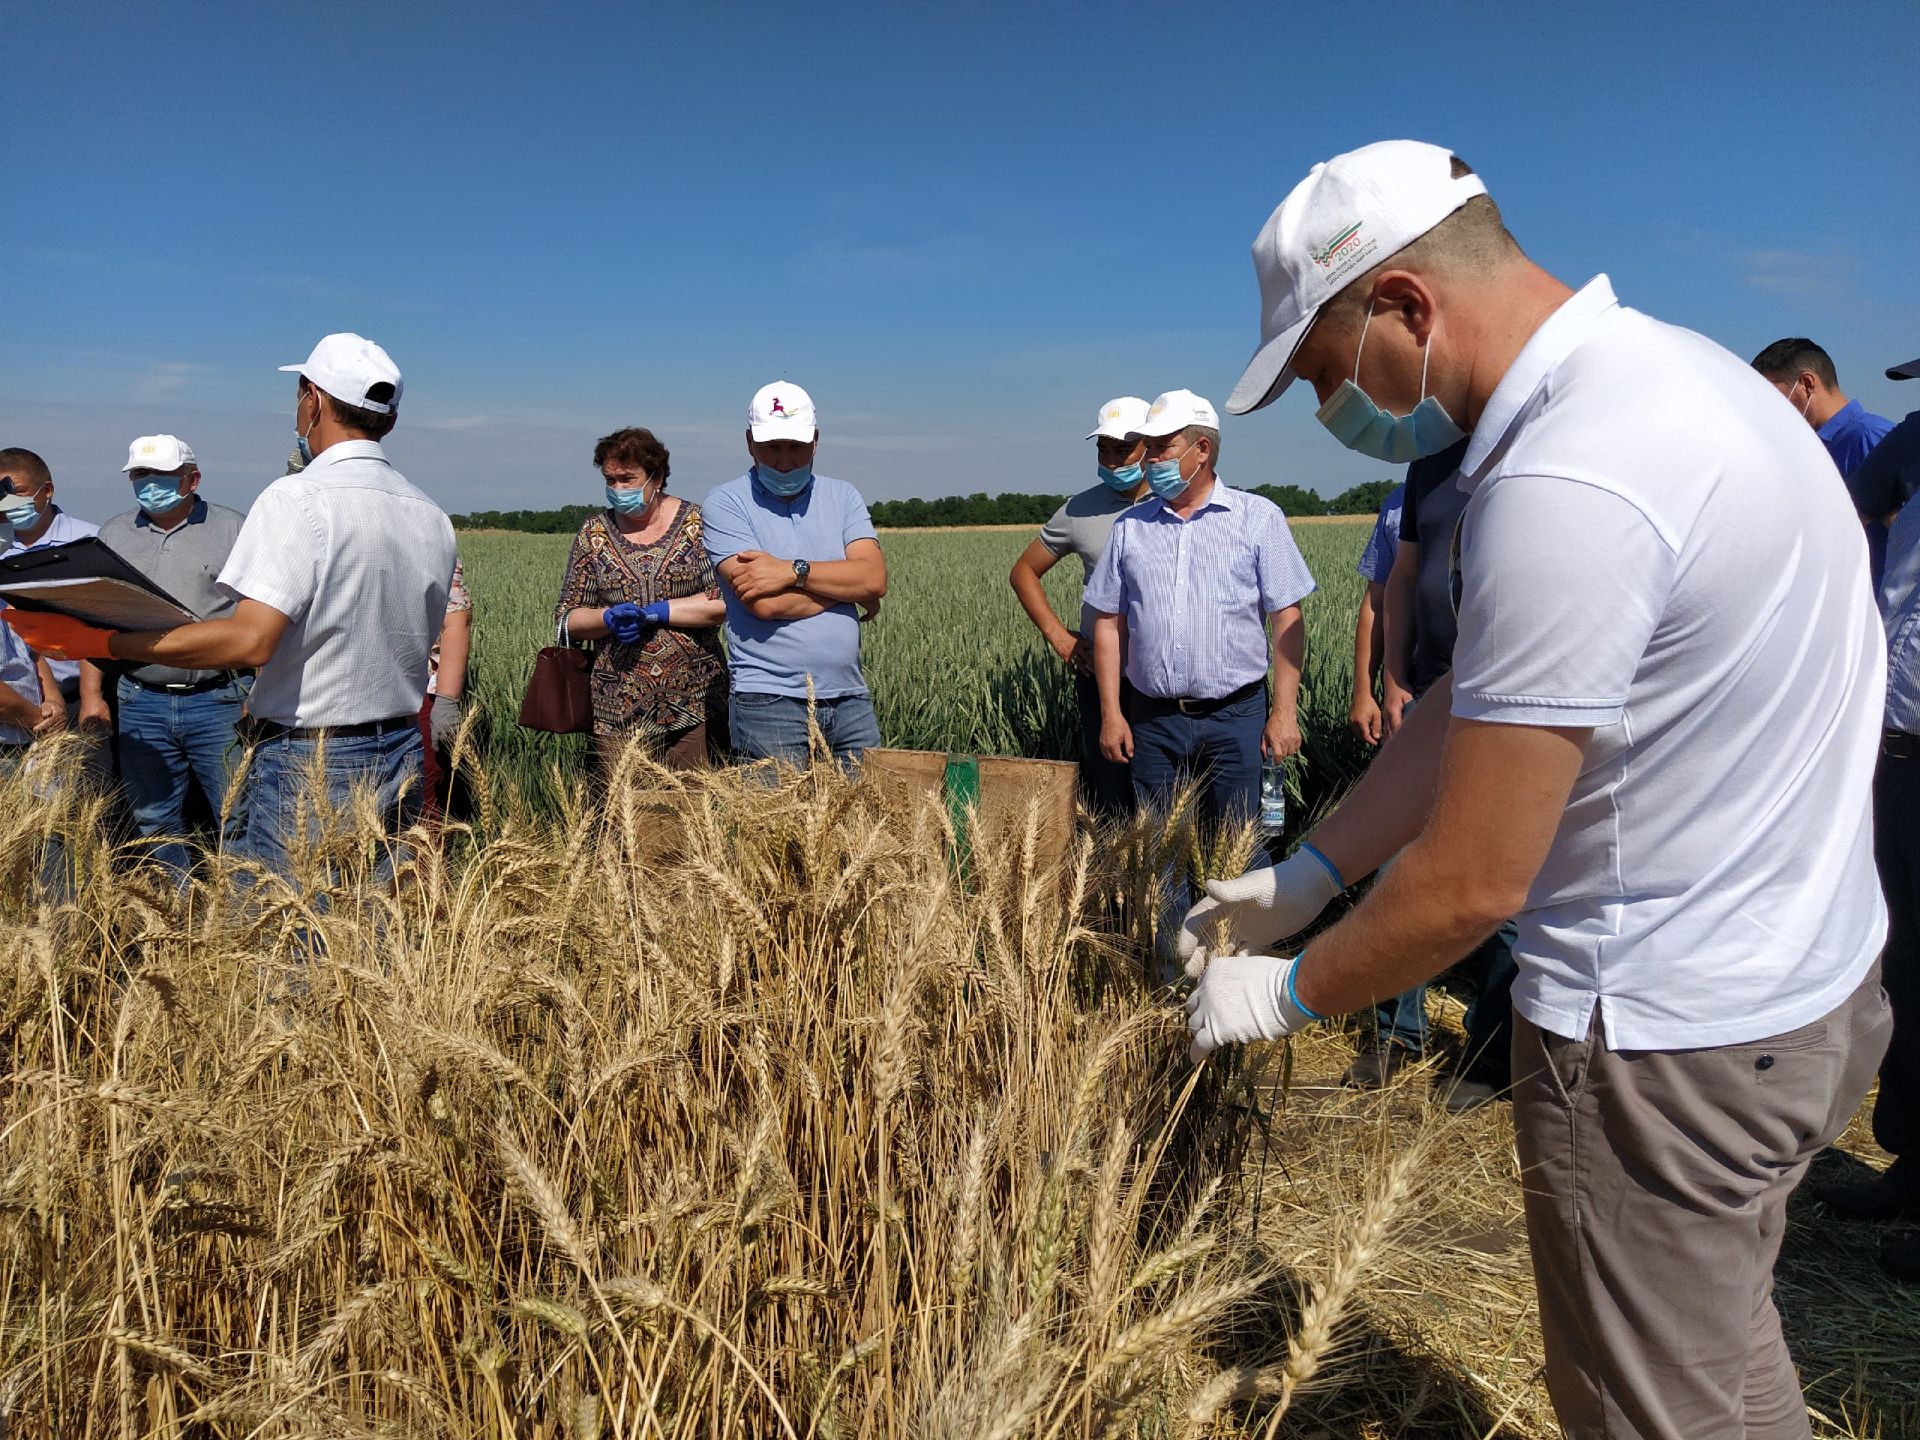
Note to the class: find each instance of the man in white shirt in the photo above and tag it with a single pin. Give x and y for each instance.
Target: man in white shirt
(340, 578)
(1698, 1010)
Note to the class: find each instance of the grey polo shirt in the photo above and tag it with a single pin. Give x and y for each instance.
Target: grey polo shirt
(1080, 528)
(184, 562)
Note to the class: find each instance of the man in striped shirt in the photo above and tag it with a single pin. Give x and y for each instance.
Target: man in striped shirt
(1194, 578)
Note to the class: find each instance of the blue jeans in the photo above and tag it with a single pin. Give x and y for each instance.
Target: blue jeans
(277, 789)
(1221, 751)
(1403, 1019)
(774, 727)
(163, 742)
(1107, 784)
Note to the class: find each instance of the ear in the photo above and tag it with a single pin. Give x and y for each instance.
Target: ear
(1407, 297)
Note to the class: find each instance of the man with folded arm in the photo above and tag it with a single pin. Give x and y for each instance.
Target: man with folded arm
(1698, 1009)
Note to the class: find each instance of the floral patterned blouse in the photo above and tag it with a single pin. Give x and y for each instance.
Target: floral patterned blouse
(672, 679)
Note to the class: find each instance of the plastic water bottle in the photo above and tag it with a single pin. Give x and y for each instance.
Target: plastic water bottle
(1273, 799)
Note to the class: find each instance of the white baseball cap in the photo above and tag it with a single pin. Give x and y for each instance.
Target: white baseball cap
(1175, 411)
(157, 452)
(346, 366)
(1120, 418)
(782, 411)
(1347, 216)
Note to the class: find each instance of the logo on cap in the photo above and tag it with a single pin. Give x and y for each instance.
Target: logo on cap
(1326, 257)
(778, 408)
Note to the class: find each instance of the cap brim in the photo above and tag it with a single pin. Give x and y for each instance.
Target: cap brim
(1908, 371)
(1105, 434)
(294, 369)
(1270, 372)
(783, 430)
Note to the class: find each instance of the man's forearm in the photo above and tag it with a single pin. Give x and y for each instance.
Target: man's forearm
(1366, 651)
(1032, 594)
(92, 691)
(847, 582)
(1289, 655)
(1396, 619)
(789, 605)
(223, 644)
(1106, 664)
(16, 709)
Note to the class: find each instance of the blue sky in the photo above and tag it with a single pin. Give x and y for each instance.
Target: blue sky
(961, 227)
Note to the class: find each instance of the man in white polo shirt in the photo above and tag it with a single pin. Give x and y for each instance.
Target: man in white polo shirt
(340, 578)
(1698, 1008)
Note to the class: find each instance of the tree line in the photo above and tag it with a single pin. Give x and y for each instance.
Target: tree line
(1011, 508)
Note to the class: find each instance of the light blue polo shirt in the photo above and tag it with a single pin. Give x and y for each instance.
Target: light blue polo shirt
(775, 657)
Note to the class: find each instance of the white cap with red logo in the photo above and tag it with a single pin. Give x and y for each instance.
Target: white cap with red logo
(782, 411)
(347, 366)
(157, 452)
(1348, 215)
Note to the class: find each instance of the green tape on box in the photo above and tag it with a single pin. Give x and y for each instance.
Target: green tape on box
(963, 792)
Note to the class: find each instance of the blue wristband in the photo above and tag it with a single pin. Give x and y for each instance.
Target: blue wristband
(656, 613)
(1293, 995)
(1331, 868)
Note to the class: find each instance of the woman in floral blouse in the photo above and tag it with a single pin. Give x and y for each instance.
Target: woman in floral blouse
(639, 582)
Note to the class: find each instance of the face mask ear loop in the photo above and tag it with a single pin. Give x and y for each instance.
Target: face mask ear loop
(1426, 357)
(1361, 349)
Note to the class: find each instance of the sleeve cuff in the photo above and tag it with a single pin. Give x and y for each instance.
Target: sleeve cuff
(1544, 710)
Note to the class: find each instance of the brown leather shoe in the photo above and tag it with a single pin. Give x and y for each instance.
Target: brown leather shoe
(1892, 1193)
(1900, 1258)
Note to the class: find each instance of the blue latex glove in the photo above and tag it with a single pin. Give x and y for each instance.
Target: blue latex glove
(624, 622)
(656, 613)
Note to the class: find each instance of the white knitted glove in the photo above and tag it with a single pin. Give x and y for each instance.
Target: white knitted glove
(1241, 998)
(1262, 908)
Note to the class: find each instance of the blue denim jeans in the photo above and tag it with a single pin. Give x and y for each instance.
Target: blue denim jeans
(774, 727)
(166, 742)
(1221, 751)
(1491, 969)
(277, 788)
(1108, 785)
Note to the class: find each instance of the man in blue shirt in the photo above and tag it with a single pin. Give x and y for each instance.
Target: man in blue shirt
(1892, 475)
(802, 568)
(1192, 580)
(1804, 373)
(1369, 651)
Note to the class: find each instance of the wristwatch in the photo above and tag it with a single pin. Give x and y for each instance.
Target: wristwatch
(800, 569)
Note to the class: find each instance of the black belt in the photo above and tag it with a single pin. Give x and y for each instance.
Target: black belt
(1187, 706)
(258, 732)
(186, 687)
(1900, 745)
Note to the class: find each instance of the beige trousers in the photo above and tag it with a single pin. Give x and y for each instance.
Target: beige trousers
(1656, 1199)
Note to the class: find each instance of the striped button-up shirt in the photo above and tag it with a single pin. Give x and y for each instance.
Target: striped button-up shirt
(1196, 593)
(63, 529)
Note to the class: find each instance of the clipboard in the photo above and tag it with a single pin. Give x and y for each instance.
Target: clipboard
(88, 581)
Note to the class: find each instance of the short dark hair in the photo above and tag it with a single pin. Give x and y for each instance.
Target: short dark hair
(370, 423)
(1785, 359)
(29, 465)
(634, 446)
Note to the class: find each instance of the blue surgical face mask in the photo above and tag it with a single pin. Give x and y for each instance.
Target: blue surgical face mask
(1362, 426)
(300, 436)
(785, 483)
(22, 514)
(1163, 477)
(158, 494)
(632, 501)
(1126, 479)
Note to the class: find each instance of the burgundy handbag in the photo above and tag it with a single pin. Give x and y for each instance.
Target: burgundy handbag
(559, 696)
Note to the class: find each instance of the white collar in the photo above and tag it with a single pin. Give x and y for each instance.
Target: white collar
(347, 450)
(1558, 336)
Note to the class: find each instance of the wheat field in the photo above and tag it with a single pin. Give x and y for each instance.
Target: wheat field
(798, 1116)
